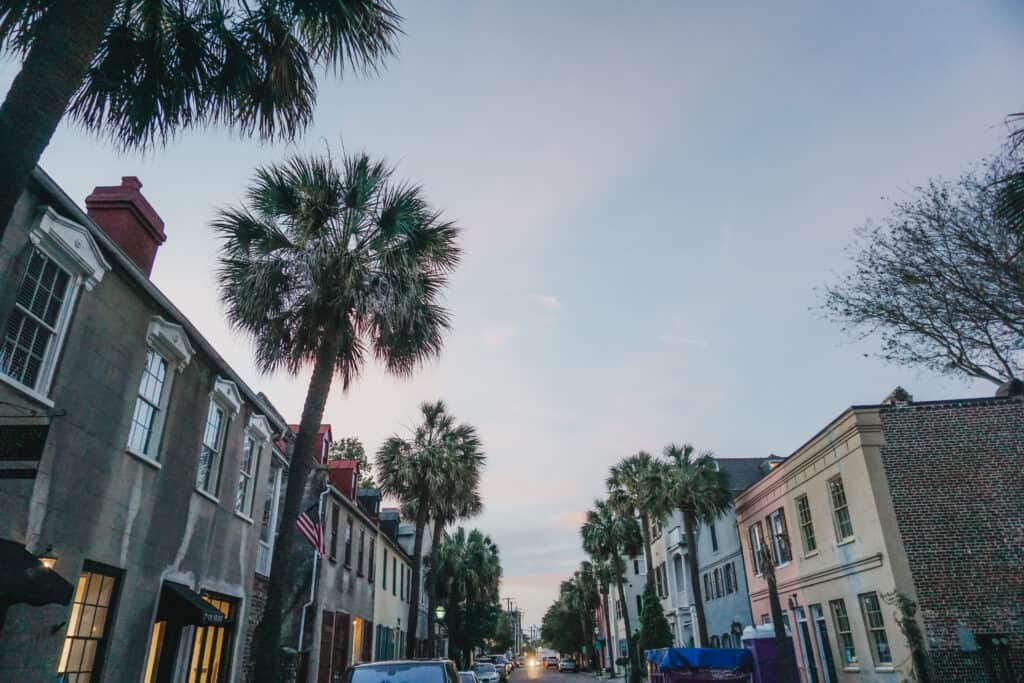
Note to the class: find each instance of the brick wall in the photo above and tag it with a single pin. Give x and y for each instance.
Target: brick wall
(956, 474)
(257, 602)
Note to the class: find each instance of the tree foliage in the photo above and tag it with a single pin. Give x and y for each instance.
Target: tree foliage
(941, 279)
(351, 448)
(655, 631)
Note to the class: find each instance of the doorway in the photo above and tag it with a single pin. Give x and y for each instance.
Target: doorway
(828, 665)
(805, 644)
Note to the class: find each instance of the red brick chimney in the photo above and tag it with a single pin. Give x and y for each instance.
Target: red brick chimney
(129, 220)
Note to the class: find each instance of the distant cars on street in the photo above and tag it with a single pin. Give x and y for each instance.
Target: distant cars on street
(468, 677)
(567, 665)
(486, 672)
(550, 661)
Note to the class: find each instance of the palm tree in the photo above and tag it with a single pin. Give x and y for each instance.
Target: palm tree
(588, 597)
(141, 70)
(609, 537)
(417, 471)
(635, 489)
(605, 577)
(323, 266)
(702, 493)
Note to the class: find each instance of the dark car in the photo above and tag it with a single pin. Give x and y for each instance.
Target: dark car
(405, 671)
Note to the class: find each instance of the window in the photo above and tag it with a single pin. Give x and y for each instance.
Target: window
(638, 566)
(840, 510)
(718, 583)
(208, 474)
(362, 552)
(658, 585)
(714, 641)
(755, 547)
(212, 645)
(779, 538)
(707, 587)
(85, 641)
(803, 508)
(348, 542)
(726, 640)
(148, 406)
(714, 537)
(371, 572)
(384, 571)
(639, 605)
(332, 553)
(843, 631)
(394, 574)
(246, 472)
(730, 578)
(875, 625)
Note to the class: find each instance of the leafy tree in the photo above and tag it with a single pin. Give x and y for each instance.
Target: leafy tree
(466, 570)
(439, 457)
(351, 448)
(941, 279)
(609, 537)
(635, 490)
(502, 636)
(1010, 206)
(560, 628)
(654, 629)
(702, 494)
(322, 266)
(141, 70)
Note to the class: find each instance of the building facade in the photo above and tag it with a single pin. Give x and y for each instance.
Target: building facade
(391, 600)
(633, 583)
(888, 505)
(133, 454)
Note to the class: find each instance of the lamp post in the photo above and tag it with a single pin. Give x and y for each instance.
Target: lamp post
(439, 613)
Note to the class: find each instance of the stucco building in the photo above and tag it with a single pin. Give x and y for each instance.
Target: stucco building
(901, 499)
(132, 454)
(391, 599)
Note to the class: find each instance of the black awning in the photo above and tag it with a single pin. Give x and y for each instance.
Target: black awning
(180, 604)
(23, 578)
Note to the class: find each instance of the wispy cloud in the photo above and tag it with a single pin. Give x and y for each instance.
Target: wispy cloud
(549, 302)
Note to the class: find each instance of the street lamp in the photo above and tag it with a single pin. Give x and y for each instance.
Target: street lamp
(47, 559)
(439, 612)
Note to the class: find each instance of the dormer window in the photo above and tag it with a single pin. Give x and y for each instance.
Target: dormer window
(63, 259)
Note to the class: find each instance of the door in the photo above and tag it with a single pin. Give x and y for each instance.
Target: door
(828, 665)
(805, 644)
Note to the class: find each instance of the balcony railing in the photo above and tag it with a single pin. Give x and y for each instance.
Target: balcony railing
(263, 555)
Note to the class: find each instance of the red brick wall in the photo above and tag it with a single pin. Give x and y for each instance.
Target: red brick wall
(956, 474)
(258, 600)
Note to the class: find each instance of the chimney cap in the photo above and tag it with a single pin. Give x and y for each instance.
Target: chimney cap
(131, 181)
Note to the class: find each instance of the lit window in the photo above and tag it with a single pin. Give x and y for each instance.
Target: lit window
(211, 645)
(208, 474)
(803, 508)
(85, 640)
(843, 630)
(875, 625)
(148, 406)
(840, 509)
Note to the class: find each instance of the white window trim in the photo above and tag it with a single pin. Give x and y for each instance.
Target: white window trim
(160, 418)
(225, 392)
(220, 396)
(170, 341)
(73, 249)
(259, 430)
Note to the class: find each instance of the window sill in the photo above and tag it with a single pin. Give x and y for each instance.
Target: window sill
(784, 564)
(242, 516)
(26, 390)
(813, 553)
(144, 458)
(846, 541)
(885, 669)
(208, 496)
(851, 669)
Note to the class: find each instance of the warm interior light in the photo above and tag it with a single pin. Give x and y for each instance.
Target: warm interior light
(47, 559)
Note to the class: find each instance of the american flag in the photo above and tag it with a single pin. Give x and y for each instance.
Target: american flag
(308, 525)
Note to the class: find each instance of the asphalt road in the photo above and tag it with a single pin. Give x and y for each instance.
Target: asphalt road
(540, 675)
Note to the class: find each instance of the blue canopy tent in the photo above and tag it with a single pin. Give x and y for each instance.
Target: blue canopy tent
(686, 658)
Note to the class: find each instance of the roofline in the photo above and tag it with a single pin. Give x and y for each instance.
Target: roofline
(50, 186)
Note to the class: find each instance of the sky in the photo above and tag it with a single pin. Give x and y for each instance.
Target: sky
(652, 195)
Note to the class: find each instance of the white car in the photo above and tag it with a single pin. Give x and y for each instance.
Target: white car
(486, 672)
(567, 665)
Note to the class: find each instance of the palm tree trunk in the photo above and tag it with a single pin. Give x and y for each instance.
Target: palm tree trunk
(608, 633)
(787, 657)
(645, 529)
(690, 526)
(432, 587)
(417, 567)
(67, 37)
(634, 665)
(267, 639)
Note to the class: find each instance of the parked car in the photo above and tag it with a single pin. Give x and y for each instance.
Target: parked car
(468, 677)
(567, 665)
(486, 672)
(550, 661)
(405, 671)
(501, 661)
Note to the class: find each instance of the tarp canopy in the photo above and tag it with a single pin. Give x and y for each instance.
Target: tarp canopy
(24, 579)
(683, 658)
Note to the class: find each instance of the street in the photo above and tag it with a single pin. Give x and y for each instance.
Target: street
(542, 675)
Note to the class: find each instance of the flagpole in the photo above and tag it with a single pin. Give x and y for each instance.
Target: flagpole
(312, 578)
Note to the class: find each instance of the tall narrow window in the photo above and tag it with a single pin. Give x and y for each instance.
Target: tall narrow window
(714, 537)
(779, 537)
(840, 509)
(755, 547)
(394, 574)
(384, 571)
(362, 553)
(707, 587)
(657, 581)
(718, 583)
(246, 474)
(141, 437)
(348, 542)
(35, 322)
(333, 549)
(211, 645)
(371, 572)
(85, 641)
(875, 625)
(639, 605)
(803, 508)
(843, 631)
(636, 567)
(208, 474)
